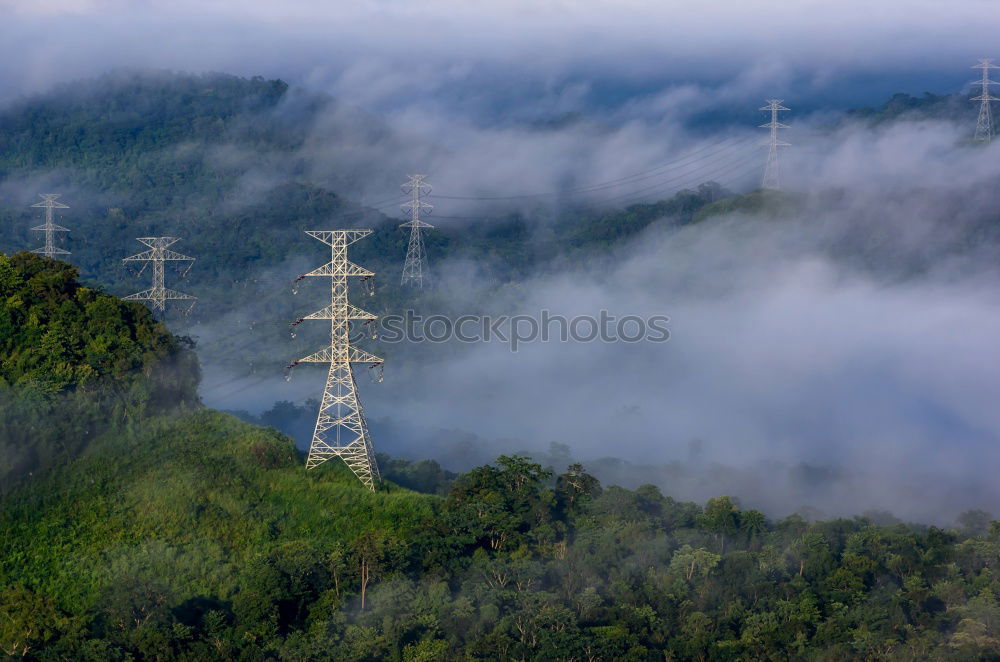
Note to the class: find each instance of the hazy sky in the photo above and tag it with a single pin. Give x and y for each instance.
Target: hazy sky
(386, 53)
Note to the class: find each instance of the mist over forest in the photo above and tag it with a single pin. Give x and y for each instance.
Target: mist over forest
(812, 300)
(827, 380)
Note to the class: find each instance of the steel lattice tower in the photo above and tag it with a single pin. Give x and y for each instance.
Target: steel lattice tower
(158, 295)
(341, 430)
(771, 176)
(984, 125)
(50, 228)
(415, 267)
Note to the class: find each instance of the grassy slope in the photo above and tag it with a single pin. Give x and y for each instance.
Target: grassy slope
(190, 501)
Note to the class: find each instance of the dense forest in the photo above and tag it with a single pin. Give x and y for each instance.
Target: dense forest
(183, 533)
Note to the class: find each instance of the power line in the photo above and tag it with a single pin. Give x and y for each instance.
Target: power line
(717, 176)
(689, 178)
(728, 148)
(228, 394)
(709, 151)
(645, 174)
(635, 196)
(389, 202)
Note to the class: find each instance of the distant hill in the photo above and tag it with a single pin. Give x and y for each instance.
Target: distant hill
(761, 202)
(957, 107)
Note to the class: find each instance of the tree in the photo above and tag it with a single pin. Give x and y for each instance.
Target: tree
(374, 553)
(690, 562)
(337, 563)
(721, 518)
(27, 621)
(498, 505)
(426, 650)
(575, 487)
(753, 523)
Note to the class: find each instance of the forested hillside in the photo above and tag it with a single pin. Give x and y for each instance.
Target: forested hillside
(186, 534)
(223, 162)
(140, 154)
(75, 364)
(147, 154)
(205, 539)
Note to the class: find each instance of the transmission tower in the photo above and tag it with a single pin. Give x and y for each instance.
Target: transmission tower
(341, 429)
(771, 178)
(158, 255)
(49, 203)
(415, 267)
(984, 125)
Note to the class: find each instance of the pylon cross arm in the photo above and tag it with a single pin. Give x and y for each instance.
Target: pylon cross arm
(145, 256)
(335, 237)
(352, 355)
(51, 226)
(158, 294)
(361, 356)
(410, 206)
(340, 269)
(333, 312)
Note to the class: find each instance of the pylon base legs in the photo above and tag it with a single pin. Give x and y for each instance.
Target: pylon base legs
(355, 456)
(341, 430)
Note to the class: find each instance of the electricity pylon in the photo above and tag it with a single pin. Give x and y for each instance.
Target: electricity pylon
(771, 178)
(341, 430)
(158, 295)
(50, 228)
(984, 125)
(415, 267)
